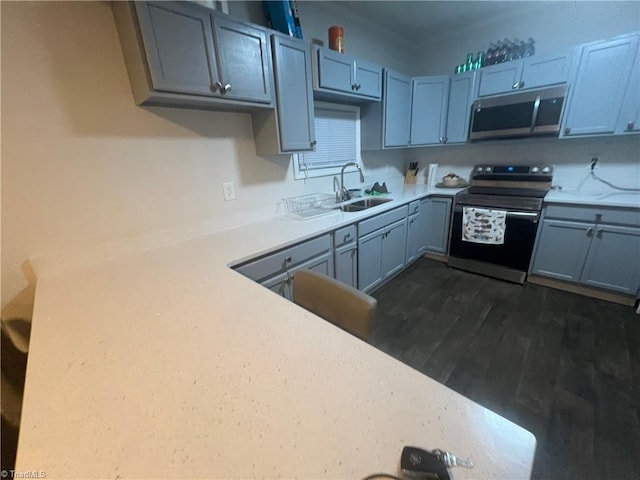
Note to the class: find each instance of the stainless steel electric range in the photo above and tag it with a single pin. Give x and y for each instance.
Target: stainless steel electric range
(495, 220)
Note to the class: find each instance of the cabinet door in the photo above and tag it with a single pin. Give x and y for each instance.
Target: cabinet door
(397, 109)
(346, 264)
(545, 70)
(613, 261)
(368, 79)
(413, 238)
(629, 118)
(178, 43)
(394, 248)
(438, 221)
(244, 61)
(429, 109)
(370, 260)
(336, 71)
(561, 249)
(501, 78)
(595, 100)
(280, 284)
(294, 94)
(461, 94)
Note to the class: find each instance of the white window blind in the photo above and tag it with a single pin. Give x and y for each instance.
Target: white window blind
(338, 138)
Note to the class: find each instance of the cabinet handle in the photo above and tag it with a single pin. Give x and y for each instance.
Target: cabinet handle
(347, 237)
(287, 259)
(353, 86)
(225, 89)
(521, 85)
(589, 232)
(358, 86)
(441, 139)
(599, 233)
(313, 143)
(515, 85)
(567, 130)
(631, 126)
(216, 86)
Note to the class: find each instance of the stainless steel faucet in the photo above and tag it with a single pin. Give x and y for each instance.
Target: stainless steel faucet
(343, 194)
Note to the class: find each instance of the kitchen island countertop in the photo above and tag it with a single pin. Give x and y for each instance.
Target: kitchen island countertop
(168, 364)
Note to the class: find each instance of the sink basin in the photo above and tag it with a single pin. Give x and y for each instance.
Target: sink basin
(360, 205)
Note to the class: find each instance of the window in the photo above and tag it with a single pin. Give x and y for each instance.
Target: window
(338, 142)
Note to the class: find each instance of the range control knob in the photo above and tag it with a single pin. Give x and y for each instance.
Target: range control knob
(488, 169)
(546, 169)
(535, 169)
(479, 169)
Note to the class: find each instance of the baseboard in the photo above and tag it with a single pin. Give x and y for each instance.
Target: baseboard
(582, 290)
(436, 256)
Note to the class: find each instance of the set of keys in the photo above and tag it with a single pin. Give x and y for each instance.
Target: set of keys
(432, 465)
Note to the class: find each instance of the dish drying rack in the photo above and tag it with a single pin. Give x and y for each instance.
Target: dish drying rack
(308, 206)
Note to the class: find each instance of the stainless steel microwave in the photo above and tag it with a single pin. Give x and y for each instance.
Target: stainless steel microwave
(522, 114)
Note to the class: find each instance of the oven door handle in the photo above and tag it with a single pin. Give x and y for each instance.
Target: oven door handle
(532, 215)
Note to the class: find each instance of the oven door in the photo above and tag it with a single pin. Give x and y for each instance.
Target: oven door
(515, 253)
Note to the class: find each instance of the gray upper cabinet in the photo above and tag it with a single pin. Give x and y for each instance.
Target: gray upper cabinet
(291, 127)
(430, 96)
(523, 74)
(243, 61)
(461, 94)
(629, 118)
(183, 54)
(599, 87)
(396, 110)
(345, 76)
(368, 79)
(178, 43)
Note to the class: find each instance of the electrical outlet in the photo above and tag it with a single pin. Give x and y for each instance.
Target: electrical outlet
(229, 189)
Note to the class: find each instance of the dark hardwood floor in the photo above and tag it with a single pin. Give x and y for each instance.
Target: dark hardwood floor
(564, 366)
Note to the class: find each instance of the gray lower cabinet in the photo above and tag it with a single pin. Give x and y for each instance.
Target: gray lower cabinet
(382, 244)
(595, 100)
(594, 253)
(282, 284)
(346, 255)
(438, 221)
(275, 270)
(184, 54)
(290, 127)
(416, 230)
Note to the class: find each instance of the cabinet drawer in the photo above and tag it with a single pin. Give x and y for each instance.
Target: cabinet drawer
(344, 235)
(382, 220)
(284, 259)
(611, 215)
(414, 207)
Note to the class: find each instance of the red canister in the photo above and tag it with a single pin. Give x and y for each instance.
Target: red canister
(336, 38)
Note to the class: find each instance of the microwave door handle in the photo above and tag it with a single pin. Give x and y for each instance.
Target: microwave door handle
(534, 116)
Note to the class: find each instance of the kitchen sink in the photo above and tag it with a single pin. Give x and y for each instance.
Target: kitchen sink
(360, 205)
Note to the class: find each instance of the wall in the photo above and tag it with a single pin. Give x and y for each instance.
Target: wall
(83, 167)
(554, 25)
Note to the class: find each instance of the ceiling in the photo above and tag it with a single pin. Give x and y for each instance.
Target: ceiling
(438, 18)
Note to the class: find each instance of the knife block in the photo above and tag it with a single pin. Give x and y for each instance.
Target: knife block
(410, 177)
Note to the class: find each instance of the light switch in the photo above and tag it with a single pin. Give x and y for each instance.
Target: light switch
(229, 189)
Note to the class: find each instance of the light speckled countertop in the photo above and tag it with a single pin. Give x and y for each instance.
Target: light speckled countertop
(601, 199)
(168, 364)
